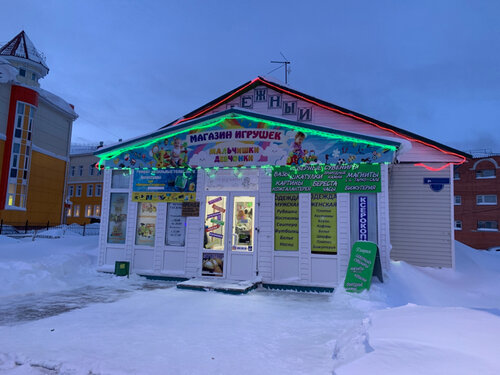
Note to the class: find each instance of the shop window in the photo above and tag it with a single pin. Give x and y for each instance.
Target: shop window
(98, 189)
(485, 173)
(80, 170)
(117, 224)
(78, 190)
(175, 234)
(487, 225)
(72, 171)
(88, 210)
(215, 219)
(324, 223)
(76, 210)
(71, 190)
(486, 199)
(146, 224)
(97, 210)
(120, 179)
(90, 190)
(286, 222)
(458, 200)
(458, 224)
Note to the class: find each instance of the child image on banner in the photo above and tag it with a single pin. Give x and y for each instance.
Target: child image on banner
(177, 157)
(212, 264)
(299, 156)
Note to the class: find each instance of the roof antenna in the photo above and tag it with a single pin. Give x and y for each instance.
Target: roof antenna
(285, 63)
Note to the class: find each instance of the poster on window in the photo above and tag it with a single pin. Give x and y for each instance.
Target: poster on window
(324, 223)
(117, 224)
(176, 225)
(212, 264)
(146, 224)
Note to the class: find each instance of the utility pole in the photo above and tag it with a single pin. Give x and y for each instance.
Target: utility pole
(285, 63)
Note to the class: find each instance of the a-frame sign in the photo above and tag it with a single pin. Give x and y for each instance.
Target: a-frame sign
(363, 264)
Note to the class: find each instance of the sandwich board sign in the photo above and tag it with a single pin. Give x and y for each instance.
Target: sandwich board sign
(363, 264)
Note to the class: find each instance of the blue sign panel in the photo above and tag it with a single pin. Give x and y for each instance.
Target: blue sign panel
(363, 218)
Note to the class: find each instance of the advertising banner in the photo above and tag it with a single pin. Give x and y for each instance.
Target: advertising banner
(146, 224)
(363, 264)
(286, 222)
(117, 224)
(327, 178)
(236, 141)
(324, 223)
(166, 185)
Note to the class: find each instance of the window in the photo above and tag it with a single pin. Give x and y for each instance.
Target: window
(485, 173)
(73, 171)
(22, 72)
(68, 212)
(97, 210)
(33, 76)
(458, 224)
(76, 210)
(146, 223)
(117, 223)
(458, 200)
(71, 190)
(88, 210)
(486, 199)
(91, 169)
(286, 222)
(489, 225)
(78, 190)
(324, 223)
(90, 190)
(175, 235)
(456, 175)
(98, 188)
(120, 179)
(80, 170)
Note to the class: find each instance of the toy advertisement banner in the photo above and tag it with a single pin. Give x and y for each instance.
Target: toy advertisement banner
(286, 222)
(167, 185)
(146, 224)
(345, 178)
(324, 223)
(244, 141)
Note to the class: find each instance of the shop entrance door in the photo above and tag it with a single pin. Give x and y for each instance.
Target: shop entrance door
(230, 236)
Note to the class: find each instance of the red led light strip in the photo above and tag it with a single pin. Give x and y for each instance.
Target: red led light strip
(333, 110)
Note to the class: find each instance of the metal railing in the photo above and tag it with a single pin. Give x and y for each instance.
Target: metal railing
(44, 229)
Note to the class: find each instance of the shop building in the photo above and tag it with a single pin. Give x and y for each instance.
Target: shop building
(477, 212)
(35, 134)
(268, 183)
(84, 186)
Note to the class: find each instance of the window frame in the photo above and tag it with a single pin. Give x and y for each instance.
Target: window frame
(480, 200)
(90, 188)
(457, 202)
(459, 226)
(485, 177)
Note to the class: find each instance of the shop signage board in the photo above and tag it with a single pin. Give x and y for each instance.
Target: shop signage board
(363, 264)
(237, 140)
(191, 209)
(363, 218)
(167, 185)
(286, 222)
(324, 223)
(327, 178)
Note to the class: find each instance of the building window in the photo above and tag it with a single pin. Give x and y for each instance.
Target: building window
(487, 225)
(456, 175)
(80, 170)
(486, 199)
(485, 173)
(78, 190)
(120, 179)
(98, 189)
(91, 169)
(117, 223)
(71, 190)
(88, 210)
(72, 171)
(22, 72)
(97, 210)
(68, 212)
(175, 235)
(90, 188)
(458, 200)
(76, 210)
(458, 224)
(33, 76)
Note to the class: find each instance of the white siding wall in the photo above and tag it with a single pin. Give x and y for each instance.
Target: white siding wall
(51, 130)
(420, 219)
(4, 108)
(265, 245)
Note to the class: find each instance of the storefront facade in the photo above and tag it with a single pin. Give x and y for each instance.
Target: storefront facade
(241, 194)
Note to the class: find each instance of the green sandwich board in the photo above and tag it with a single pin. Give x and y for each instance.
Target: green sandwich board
(363, 264)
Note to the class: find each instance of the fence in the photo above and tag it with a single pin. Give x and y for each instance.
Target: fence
(39, 229)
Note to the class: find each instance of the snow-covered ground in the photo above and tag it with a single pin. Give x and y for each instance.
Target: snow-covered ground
(59, 316)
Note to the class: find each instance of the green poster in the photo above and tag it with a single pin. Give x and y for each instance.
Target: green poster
(361, 265)
(327, 178)
(324, 223)
(286, 222)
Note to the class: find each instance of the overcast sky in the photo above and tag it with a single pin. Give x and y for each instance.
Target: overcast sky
(129, 67)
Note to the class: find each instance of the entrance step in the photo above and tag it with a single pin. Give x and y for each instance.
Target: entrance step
(224, 286)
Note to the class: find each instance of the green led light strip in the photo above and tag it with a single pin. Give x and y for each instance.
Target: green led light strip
(112, 154)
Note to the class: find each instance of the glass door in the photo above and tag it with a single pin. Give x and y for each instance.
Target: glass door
(215, 238)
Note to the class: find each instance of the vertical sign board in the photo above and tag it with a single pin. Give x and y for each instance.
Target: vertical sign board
(363, 264)
(286, 222)
(324, 223)
(363, 218)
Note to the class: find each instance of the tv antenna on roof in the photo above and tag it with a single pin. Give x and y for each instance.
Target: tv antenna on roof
(284, 63)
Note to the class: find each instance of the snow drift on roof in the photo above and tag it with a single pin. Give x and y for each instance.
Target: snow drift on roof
(22, 46)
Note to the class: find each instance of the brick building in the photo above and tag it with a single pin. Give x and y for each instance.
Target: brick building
(477, 213)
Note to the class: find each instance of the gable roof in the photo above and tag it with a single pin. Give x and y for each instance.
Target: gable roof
(21, 46)
(259, 81)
